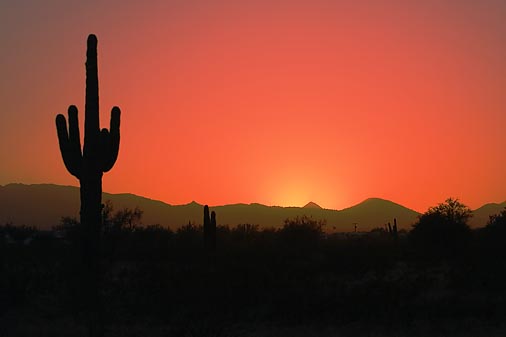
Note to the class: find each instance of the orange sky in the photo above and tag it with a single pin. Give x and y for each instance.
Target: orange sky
(276, 102)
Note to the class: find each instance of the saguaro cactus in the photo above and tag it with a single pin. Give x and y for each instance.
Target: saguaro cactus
(98, 155)
(209, 230)
(394, 230)
(100, 149)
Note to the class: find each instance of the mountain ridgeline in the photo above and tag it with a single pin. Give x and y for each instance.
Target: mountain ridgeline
(43, 205)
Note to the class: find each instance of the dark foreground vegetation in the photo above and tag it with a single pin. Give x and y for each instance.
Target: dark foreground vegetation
(439, 279)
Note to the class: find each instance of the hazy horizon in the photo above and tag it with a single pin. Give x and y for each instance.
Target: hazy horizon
(203, 202)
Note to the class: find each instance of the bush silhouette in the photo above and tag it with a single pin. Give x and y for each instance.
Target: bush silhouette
(494, 235)
(497, 223)
(443, 230)
(303, 226)
(302, 233)
(124, 220)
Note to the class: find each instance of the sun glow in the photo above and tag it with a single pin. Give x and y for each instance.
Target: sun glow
(292, 196)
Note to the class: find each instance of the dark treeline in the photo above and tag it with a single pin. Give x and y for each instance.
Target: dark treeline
(439, 272)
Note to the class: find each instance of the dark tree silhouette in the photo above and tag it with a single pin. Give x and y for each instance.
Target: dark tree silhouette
(495, 234)
(302, 231)
(443, 229)
(123, 220)
(98, 155)
(497, 223)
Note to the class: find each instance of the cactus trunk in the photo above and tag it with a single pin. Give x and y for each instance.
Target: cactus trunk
(91, 217)
(394, 230)
(209, 230)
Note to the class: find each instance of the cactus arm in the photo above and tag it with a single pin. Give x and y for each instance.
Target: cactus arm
(70, 146)
(91, 122)
(207, 219)
(110, 141)
(114, 131)
(63, 135)
(74, 135)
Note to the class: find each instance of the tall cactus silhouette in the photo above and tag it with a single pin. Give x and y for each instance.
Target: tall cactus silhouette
(98, 155)
(100, 149)
(209, 230)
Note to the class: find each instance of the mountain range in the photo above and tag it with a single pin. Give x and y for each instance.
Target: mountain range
(43, 205)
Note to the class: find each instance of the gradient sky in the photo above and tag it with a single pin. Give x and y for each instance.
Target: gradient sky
(276, 102)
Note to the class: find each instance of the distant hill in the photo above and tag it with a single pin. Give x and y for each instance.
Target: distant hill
(312, 205)
(482, 214)
(43, 205)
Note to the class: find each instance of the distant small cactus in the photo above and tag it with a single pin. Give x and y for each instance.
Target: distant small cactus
(392, 230)
(209, 230)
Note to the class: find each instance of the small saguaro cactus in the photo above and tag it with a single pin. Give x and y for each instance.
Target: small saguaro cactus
(209, 230)
(100, 149)
(394, 230)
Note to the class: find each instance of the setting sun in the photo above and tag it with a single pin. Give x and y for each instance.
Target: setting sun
(290, 194)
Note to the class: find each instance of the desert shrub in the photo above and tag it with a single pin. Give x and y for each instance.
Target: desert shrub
(302, 231)
(494, 237)
(16, 233)
(442, 231)
(497, 224)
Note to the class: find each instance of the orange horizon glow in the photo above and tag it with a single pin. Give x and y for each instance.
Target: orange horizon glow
(278, 103)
